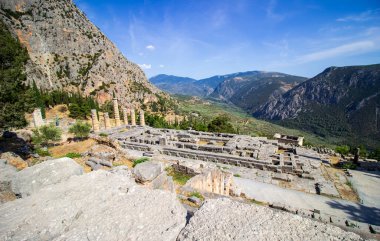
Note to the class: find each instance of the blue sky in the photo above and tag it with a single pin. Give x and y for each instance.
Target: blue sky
(202, 38)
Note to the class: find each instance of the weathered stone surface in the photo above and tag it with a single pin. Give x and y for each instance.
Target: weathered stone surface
(163, 182)
(32, 179)
(14, 160)
(121, 170)
(147, 171)
(95, 206)
(224, 219)
(103, 152)
(7, 172)
(25, 135)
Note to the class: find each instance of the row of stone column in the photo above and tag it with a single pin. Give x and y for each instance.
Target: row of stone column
(107, 123)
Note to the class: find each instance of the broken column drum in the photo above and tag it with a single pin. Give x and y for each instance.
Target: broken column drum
(142, 118)
(116, 112)
(37, 118)
(133, 117)
(95, 121)
(107, 123)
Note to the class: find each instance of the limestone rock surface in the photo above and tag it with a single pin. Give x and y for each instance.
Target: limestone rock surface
(68, 52)
(224, 219)
(96, 206)
(32, 179)
(14, 160)
(7, 172)
(147, 171)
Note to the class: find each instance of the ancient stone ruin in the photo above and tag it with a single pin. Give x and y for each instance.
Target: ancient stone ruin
(37, 118)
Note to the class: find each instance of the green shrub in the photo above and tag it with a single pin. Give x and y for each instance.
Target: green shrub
(198, 195)
(46, 134)
(140, 160)
(73, 155)
(178, 177)
(349, 165)
(80, 129)
(237, 175)
(344, 150)
(42, 152)
(103, 134)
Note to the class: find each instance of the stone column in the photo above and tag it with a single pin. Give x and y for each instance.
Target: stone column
(37, 118)
(133, 117)
(116, 112)
(125, 115)
(95, 121)
(142, 118)
(107, 123)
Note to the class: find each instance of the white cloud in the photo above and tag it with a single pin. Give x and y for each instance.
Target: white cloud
(145, 66)
(361, 17)
(351, 48)
(150, 47)
(162, 66)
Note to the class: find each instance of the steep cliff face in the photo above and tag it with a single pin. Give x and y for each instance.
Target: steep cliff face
(342, 101)
(68, 52)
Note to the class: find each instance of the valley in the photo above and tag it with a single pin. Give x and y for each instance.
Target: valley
(91, 149)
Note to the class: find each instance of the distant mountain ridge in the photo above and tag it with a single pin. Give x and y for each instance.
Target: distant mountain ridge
(247, 90)
(340, 101)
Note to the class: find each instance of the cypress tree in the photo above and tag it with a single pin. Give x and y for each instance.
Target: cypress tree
(14, 95)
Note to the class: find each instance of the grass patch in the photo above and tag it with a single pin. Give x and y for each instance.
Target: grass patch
(73, 155)
(103, 134)
(197, 194)
(140, 160)
(349, 183)
(256, 202)
(178, 177)
(349, 165)
(237, 175)
(42, 152)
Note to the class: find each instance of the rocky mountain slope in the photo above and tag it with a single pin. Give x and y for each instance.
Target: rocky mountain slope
(187, 86)
(244, 89)
(340, 101)
(177, 85)
(249, 90)
(68, 52)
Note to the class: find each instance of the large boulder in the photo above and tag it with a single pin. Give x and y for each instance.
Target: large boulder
(96, 206)
(224, 219)
(32, 179)
(147, 171)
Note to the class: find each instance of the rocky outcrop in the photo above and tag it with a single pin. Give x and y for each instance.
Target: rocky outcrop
(147, 171)
(68, 52)
(223, 219)
(95, 206)
(32, 179)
